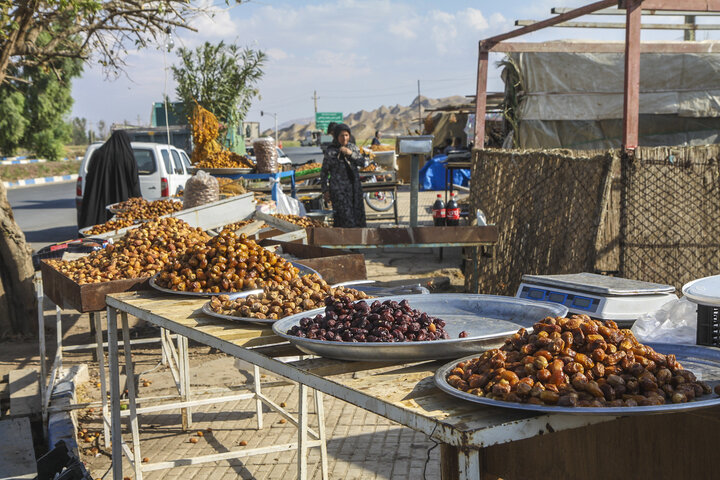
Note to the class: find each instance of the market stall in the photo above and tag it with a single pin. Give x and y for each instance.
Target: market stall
(477, 441)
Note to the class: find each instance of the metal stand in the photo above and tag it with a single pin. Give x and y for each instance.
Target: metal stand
(179, 366)
(414, 188)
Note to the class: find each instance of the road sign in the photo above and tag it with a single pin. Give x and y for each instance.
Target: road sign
(322, 119)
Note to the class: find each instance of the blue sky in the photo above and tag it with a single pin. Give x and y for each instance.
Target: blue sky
(355, 54)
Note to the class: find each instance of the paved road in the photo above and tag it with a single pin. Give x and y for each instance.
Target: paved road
(46, 213)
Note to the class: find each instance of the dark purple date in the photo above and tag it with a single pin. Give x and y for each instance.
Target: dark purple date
(389, 321)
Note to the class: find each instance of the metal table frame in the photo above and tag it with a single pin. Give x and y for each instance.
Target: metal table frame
(462, 429)
(180, 368)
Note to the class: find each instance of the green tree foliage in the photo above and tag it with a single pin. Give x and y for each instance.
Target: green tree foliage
(79, 131)
(12, 120)
(46, 91)
(104, 28)
(221, 78)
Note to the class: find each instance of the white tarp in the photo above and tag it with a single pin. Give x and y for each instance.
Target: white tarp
(575, 100)
(589, 86)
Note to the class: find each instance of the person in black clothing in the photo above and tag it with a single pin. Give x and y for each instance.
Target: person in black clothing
(376, 138)
(112, 177)
(340, 180)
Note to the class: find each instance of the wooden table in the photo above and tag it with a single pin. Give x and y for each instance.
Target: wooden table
(476, 441)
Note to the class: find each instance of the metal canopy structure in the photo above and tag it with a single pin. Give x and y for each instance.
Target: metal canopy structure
(632, 49)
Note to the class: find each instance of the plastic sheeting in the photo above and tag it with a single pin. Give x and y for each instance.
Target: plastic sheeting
(575, 100)
(589, 86)
(432, 174)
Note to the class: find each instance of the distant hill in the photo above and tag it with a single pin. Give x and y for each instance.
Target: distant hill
(397, 120)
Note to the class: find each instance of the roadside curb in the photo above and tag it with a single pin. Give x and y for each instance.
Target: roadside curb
(40, 181)
(25, 160)
(62, 425)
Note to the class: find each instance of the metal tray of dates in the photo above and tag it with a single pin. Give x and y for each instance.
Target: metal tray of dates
(207, 310)
(704, 362)
(303, 270)
(487, 319)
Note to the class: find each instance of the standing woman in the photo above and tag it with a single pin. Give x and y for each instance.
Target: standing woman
(112, 177)
(340, 165)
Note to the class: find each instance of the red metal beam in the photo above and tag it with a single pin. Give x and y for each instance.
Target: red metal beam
(631, 102)
(481, 98)
(578, 12)
(684, 5)
(606, 47)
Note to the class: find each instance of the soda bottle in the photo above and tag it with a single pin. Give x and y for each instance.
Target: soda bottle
(452, 212)
(438, 211)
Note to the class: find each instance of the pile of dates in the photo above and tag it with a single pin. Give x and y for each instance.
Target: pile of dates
(579, 362)
(226, 263)
(278, 300)
(138, 208)
(141, 252)
(109, 226)
(304, 222)
(388, 321)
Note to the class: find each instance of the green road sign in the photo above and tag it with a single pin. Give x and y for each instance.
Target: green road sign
(322, 119)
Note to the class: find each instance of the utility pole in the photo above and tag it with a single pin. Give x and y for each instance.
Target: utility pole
(315, 97)
(420, 128)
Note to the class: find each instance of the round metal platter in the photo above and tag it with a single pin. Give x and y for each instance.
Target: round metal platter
(207, 310)
(221, 171)
(488, 319)
(113, 208)
(704, 362)
(303, 270)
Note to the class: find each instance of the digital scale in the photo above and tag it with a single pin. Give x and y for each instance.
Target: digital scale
(598, 296)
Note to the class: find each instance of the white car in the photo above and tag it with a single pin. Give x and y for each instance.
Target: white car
(162, 169)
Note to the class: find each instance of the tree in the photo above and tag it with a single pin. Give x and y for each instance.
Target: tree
(75, 29)
(102, 130)
(34, 103)
(49, 99)
(105, 27)
(79, 131)
(12, 120)
(221, 78)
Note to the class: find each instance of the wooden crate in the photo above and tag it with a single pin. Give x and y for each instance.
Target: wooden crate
(66, 293)
(335, 266)
(419, 236)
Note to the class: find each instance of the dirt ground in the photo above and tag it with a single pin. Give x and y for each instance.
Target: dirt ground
(388, 266)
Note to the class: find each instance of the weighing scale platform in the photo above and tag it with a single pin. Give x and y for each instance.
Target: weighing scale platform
(599, 296)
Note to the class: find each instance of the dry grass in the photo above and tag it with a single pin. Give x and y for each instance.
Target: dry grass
(13, 173)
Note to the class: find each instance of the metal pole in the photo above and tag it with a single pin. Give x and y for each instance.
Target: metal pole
(414, 186)
(43, 350)
(116, 425)
(276, 130)
(631, 103)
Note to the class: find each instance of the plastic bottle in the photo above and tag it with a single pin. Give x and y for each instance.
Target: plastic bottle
(452, 212)
(438, 211)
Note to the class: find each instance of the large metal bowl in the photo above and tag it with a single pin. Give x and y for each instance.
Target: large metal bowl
(488, 320)
(704, 362)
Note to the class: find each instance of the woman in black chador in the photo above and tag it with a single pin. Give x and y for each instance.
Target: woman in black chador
(340, 164)
(112, 177)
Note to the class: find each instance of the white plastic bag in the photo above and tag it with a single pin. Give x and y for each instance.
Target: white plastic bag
(674, 322)
(286, 205)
